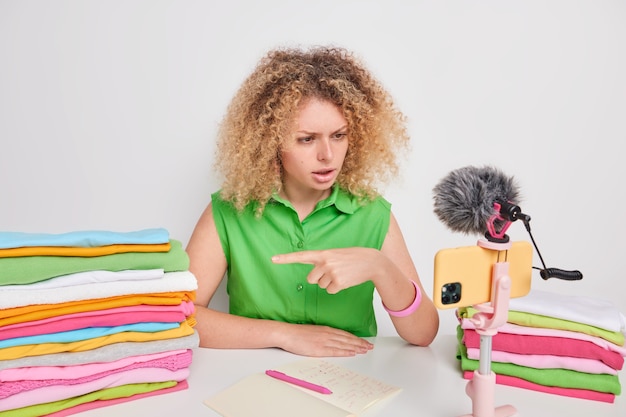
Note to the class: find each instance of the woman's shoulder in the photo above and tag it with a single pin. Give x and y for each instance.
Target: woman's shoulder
(376, 202)
(225, 207)
(219, 204)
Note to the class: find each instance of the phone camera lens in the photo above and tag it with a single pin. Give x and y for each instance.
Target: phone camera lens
(451, 293)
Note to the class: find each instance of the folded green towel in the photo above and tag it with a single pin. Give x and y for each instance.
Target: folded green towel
(545, 322)
(31, 269)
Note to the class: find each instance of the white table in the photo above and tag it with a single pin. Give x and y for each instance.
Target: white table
(430, 378)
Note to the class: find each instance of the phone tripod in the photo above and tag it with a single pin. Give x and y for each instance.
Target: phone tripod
(490, 316)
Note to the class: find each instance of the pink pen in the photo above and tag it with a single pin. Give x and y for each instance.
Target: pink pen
(298, 382)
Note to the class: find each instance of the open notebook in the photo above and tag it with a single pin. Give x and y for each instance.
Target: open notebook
(260, 395)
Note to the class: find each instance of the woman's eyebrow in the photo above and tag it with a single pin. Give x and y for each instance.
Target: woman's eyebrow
(308, 132)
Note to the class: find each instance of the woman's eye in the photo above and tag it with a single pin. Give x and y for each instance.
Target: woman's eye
(340, 135)
(306, 139)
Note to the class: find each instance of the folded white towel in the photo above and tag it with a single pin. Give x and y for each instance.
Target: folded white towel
(171, 282)
(581, 309)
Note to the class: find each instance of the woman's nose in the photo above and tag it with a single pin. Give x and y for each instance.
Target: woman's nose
(324, 150)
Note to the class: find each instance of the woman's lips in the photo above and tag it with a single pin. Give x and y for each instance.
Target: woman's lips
(324, 175)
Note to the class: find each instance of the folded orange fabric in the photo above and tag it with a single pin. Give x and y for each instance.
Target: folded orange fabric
(82, 251)
(42, 311)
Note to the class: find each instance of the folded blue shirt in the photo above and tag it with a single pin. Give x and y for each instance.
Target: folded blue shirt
(86, 333)
(86, 238)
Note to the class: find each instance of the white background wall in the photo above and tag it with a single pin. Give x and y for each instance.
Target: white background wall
(108, 111)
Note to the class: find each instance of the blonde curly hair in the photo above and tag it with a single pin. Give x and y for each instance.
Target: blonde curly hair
(261, 116)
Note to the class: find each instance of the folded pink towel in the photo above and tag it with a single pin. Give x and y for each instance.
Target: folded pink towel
(97, 366)
(546, 345)
(543, 331)
(99, 318)
(170, 363)
(590, 366)
(567, 392)
(60, 392)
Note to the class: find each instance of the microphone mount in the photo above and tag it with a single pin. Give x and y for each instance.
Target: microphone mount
(499, 222)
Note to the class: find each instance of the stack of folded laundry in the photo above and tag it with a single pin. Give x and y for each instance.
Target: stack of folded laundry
(92, 318)
(554, 343)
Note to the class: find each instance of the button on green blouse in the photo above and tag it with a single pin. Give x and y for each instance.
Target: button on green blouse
(258, 288)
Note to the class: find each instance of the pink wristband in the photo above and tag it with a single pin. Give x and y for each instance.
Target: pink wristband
(410, 309)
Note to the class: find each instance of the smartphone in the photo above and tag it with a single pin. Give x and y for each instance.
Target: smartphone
(463, 276)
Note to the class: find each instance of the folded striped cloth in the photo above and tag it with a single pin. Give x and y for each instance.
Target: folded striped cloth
(31, 269)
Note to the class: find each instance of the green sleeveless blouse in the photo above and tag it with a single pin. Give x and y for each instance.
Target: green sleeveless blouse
(258, 288)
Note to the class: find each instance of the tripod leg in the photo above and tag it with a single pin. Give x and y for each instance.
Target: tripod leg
(481, 390)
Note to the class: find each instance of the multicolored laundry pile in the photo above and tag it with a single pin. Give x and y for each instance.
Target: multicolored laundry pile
(92, 318)
(554, 343)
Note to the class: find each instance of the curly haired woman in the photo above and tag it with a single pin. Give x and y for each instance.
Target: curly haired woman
(298, 227)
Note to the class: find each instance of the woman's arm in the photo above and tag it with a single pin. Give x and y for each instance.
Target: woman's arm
(222, 330)
(397, 292)
(391, 269)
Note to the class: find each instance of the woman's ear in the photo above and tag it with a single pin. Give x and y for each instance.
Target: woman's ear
(278, 165)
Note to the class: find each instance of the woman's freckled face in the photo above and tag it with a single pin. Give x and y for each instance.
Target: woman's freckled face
(313, 159)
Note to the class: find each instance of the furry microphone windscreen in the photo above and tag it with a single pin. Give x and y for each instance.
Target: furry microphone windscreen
(464, 198)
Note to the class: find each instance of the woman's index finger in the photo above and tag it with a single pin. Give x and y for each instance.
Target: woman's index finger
(302, 257)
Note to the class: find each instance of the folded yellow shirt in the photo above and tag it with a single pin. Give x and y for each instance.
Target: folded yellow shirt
(17, 352)
(82, 251)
